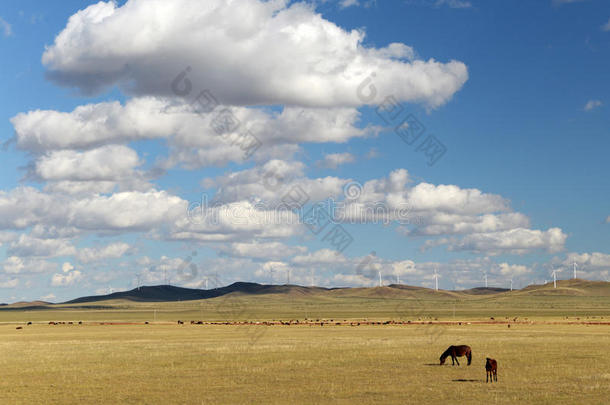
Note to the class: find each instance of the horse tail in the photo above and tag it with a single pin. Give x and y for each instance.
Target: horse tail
(469, 356)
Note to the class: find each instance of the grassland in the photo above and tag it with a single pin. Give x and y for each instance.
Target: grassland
(545, 359)
(305, 364)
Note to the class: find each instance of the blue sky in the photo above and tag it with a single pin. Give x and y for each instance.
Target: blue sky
(517, 93)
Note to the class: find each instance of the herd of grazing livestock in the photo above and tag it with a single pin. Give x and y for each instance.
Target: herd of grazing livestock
(491, 365)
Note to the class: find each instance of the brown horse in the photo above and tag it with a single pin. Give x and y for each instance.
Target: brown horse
(455, 352)
(491, 367)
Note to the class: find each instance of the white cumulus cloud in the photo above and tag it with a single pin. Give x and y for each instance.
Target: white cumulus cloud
(244, 51)
(592, 105)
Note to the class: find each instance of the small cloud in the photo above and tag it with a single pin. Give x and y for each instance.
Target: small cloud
(348, 3)
(560, 2)
(592, 104)
(9, 283)
(66, 267)
(453, 3)
(506, 269)
(5, 27)
(606, 26)
(334, 160)
(48, 297)
(60, 280)
(356, 3)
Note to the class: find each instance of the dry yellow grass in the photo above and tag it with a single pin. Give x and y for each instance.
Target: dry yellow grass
(558, 364)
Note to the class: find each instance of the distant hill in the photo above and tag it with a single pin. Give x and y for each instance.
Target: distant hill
(165, 293)
(574, 287)
(169, 293)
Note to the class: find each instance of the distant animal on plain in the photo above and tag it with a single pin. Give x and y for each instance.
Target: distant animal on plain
(180, 323)
(455, 352)
(19, 327)
(29, 323)
(491, 369)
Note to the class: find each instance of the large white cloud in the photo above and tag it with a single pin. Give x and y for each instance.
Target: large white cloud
(105, 163)
(94, 125)
(245, 51)
(424, 209)
(270, 182)
(191, 137)
(124, 211)
(101, 170)
(513, 241)
(242, 220)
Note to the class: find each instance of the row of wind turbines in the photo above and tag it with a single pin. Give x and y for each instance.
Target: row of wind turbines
(437, 275)
(312, 277)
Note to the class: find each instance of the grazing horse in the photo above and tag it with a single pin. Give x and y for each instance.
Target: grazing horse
(491, 368)
(455, 352)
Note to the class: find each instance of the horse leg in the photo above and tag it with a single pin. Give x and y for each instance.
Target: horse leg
(496, 375)
(486, 376)
(456, 360)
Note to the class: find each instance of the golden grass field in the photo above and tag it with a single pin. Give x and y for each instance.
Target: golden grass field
(544, 360)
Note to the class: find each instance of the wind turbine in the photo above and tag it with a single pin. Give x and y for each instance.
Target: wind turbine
(205, 280)
(435, 280)
(271, 274)
(574, 269)
(485, 277)
(379, 272)
(511, 284)
(312, 277)
(555, 277)
(288, 275)
(397, 278)
(138, 277)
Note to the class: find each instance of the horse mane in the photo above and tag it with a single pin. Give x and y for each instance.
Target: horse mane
(446, 353)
